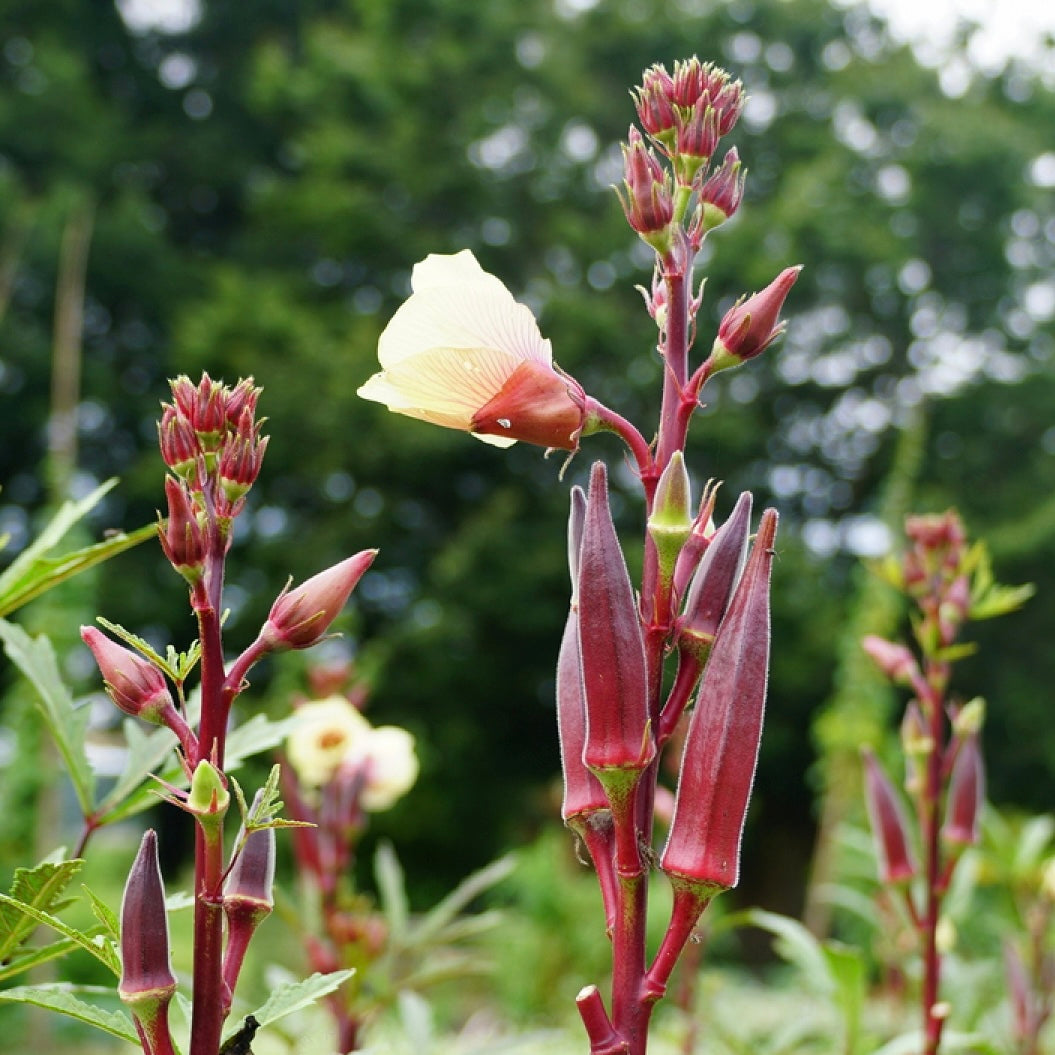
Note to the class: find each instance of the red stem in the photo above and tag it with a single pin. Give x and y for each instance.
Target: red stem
(208, 997)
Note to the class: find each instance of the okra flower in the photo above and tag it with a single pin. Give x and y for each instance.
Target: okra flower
(462, 353)
(332, 741)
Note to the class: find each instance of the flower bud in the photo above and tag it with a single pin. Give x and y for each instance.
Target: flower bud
(618, 737)
(179, 444)
(131, 681)
(721, 745)
(300, 618)
(646, 196)
(247, 895)
(751, 325)
(654, 105)
(963, 803)
(893, 659)
(969, 719)
(147, 982)
(721, 193)
(712, 585)
(537, 404)
(670, 522)
(203, 406)
(697, 139)
(241, 457)
(181, 536)
(889, 827)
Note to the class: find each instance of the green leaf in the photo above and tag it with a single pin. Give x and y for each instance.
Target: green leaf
(33, 957)
(40, 888)
(61, 997)
(98, 945)
(146, 752)
(68, 724)
(444, 913)
(32, 573)
(392, 891)
(999, 600)
(250, 738)
(846, 968)
(104, 914)
(292, 996)
(795, 944)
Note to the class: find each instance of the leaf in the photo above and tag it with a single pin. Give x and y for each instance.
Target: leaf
(796, 945)
(846, 968)
(462, 895)
(33, 957)
(146, 751)
(31, 573)
(39, 887)
(68, 724)
(250, 738)
(104, 914)
(391, 889)
(292, 996)
(91, 941)
(61, 997)
(999, 600)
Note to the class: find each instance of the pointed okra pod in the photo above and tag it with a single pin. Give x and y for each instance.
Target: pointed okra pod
(147, 982)
(886, 814)
(721, 746)
(618, 736)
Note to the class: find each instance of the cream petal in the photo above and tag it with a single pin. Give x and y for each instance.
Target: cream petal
(464, 316)
(456, 269)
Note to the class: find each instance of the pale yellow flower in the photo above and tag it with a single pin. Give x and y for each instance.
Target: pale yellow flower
(326, 732)
(391, 767)
(331, 740)
(462, 353)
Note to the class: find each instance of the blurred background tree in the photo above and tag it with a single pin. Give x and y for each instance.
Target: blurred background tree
(263, 176)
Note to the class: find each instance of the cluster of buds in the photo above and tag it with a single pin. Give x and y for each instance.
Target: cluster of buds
(212, 443)
(948, 582)
(684, 115)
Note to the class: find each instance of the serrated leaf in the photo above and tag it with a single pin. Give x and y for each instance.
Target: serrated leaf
(137, 644)
(35, 658)
(392, 891)
(104, 914)
(91, 941)
(39, 887)
(33, 957)
(62, 998)
(292, 996)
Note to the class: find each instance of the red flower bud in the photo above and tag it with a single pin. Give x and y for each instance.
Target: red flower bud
(537, 404)
(300, 618)
(721, 193)
(179, 443)
(889, 827)
(182, 536)
(712, 585)
(646, 198)
(147, 982)
(963, 804)
(655, 110)
(613, 655)
(203, 405)
(721, 745)
(751, 325)
(239, 463)
(132, 682)
(894, 660)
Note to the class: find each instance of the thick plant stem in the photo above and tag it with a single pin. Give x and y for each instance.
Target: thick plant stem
(208, 1001)
(933, 1016)
(678, 276)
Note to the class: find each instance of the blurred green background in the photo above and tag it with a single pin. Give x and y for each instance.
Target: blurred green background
(243, 188)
